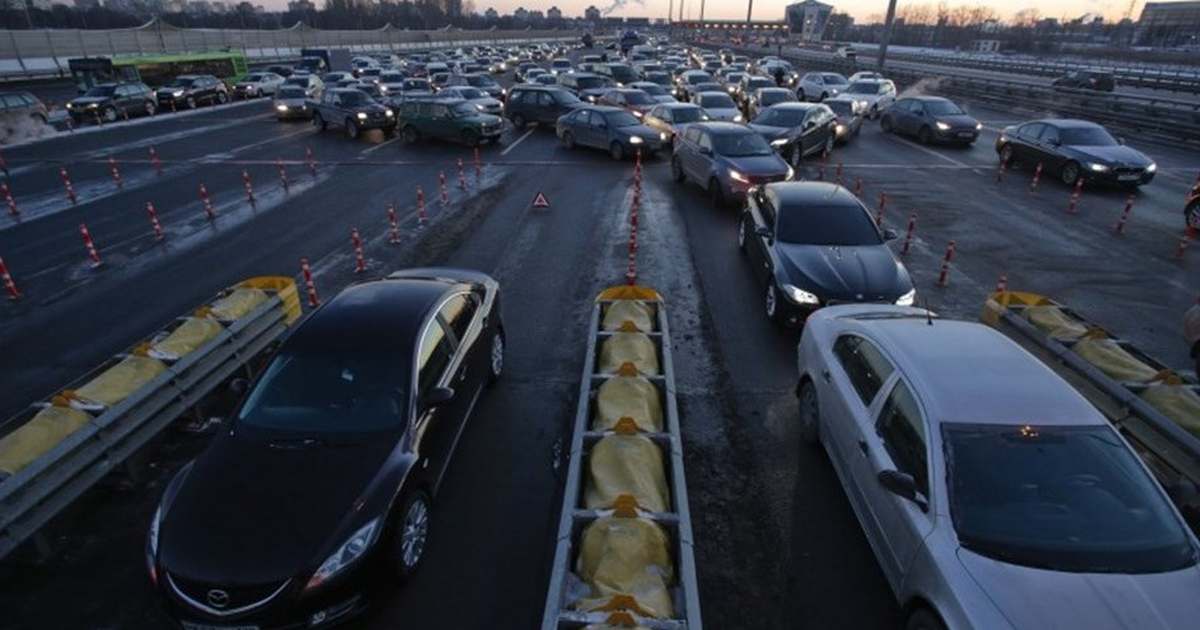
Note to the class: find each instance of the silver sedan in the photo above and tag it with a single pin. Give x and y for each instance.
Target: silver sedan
(992, 493)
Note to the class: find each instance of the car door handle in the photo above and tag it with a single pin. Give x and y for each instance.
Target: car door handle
(825, 375)
(862, 446)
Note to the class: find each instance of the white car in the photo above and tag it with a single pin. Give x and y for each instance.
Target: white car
(476, 97)
(993, 495)
(873, 96)
(818, 86)
(258, 84)
(719, 106)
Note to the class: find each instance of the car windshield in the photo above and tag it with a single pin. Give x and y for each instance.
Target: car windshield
(589, 83)
(416, 85)
(355, 99)
(699, 77)
(301, 81)
(780, 117)
(469, 93)
(1087, 137)
(826, 225)
(290, 92)
(314, 391)
(653, 89)
(181, 83)
(865, 87)
(254, 78)
(1059, 498)
(687, 114)
(639, 98)
(716, 100)
(834, 79)
(100, 91)
(754, 83)
(740, 145)
(461, 110)
(841, 108)
(659, 78)
(621, 119)
(943, 108)
(481, 81)
(776, 96)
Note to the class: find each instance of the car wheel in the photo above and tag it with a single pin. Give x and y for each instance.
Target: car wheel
(222, 98)
(828, 145)
(470, 137)
(771, 303)
(800, 95)
(924, 619)
(496, 357)
(1192, 214)
(519, 121)
(319, 121)
(1070, 173)
(1006, 155)
(191, 102)
(824, 95)
(810, 413)
(410, 134)
(742, 235)
(352, 129)
(568, 140)
(410, 532)
(796, 156)
(715, 194)
(676, 170)
(924, 135)
(149, 108)
(110, 114)
(616, 151)
(885, 124)
(259, 93)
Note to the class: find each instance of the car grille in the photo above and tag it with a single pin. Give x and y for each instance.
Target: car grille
(493, 128)
(241, 598)
(1121, 171)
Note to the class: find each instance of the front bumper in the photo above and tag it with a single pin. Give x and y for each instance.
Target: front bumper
(288, 611)
(964, 136)
(741, 188)
(1119, 176)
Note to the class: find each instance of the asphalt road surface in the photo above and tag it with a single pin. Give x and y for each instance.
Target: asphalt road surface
(776, 543)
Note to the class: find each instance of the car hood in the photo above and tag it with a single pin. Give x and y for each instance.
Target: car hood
(723, 113)
(260, 512)
(1119, 155)
(172, 90)
(759, 166)
(487, 102)
(861, 98)
(642, 131)
(664, 98)
(84, 101)
(866, 273)
(291, 102)
(483, 119)
(597, 92)
(958, 121)
(770, 132)
(1038, 598)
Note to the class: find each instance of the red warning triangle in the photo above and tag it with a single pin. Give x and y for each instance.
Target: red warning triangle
(540, 201)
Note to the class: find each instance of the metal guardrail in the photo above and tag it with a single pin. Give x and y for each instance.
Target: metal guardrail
(41, 490)
(560, 613)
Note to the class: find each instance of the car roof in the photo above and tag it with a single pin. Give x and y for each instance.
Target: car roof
(795, 105)
(679, 105)
(926, 99)
(380, 314)
(722, 128)
(1068, 123)
(811, 193)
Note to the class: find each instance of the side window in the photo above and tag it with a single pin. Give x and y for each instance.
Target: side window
(545, 100)
(692, 135)
(705, 141)
(902, 429)
(865, 366)
(438, 110)
(458, 312)
(1030, 131)
(665, 116)
(433, 357)
(1049, 134)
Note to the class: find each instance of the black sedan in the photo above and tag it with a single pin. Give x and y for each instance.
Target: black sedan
(319, 487)
(1075, 149)
(798, 130)
(930, 119)
(814, 244)
(609, 128)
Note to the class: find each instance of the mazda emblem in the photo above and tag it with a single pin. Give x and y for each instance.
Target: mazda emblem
(218, 598)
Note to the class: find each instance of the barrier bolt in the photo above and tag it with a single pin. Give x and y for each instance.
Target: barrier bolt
(249, 186)
(8, 199)
(208, 207)
(66, 179)
(942, 277)
(360, 263)
(116, 173)
(283, 178)
(395, 231)
(1120, 228)
(858, 186)
(1075, 196)
(478, 164)
(91, 247)
(420, 207)
(154, 161)
(312, 161)
(445, 196)
(908, 238)
(10, 287)
(462, 174)
(1037, 177)
(882, 207)
(313, 300)
(158, 233)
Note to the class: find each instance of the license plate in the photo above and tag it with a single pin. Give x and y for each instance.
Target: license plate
(966, 134)
(187, 625)
(1129, 178)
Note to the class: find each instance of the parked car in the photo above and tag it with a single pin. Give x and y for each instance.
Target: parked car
(986, 485)
(191, 90)
(818, 86)
(477, 98)
(930, 119)
(353, 110)
(611, 128)
(814, 243)
(20, 105)
(111, 101)
(258, 84)
(687, 80)
(312, 85)
(347, 434)
(763, 98)
(290, 103)
(670, 118)
(797, 130)
(636, 102)
(585, 85)
(540, 104)
(849, 115)
(718, 106)
(447, 118)
(561, 65)
(727, 159)
(872, 95)
(781, 72)
(656, 92)
(1075, 149)
(413, 87)
(1101, 80)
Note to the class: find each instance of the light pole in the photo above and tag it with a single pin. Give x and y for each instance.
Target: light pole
(887, 34)
(701, 10)
(749, 10)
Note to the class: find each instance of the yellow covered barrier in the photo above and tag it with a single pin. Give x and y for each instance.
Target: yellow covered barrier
(1113, 360)
(628, 347)
(1053, 321)
(639, 314)
(1177, 403)
(628, 397)
(627, 556)
(34, 438)
(629, 465)
(237, 304)
(285, 289)
(116, 383)
(185, 339)
(626, 292)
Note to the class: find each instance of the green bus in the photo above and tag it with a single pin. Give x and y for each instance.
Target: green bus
(156, 70)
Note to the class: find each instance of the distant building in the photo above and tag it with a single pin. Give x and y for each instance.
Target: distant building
(985, 46)
(591, 14)
(554, 14)
(301, 6)
(1168, 24)
(808, 19)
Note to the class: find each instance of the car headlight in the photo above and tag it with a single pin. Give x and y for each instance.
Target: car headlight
(479, 106)
(281, 108)
(635, 140)
(637, 113)
(389, 113)
(841, 129)
(93, 105)
(591, 98)
(800, 296)
(978, 126)
(346, 554)
(861, 104)
(361, 115)
(791, 172)
(1097, 167)
(177, 93)
(907, 299)
(732, 90)
(1152, 168)
(735, 175)
(738, 118)
(779, 142)
(943, 126)
(663, 136)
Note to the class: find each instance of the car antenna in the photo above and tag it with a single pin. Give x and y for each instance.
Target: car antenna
(928, 313)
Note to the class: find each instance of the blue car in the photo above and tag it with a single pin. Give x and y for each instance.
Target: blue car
(611, 128)
(727, 159)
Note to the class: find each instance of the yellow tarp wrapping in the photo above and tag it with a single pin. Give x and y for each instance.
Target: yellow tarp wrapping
(185, 339)
(1054, 322)
(609, 626)
(628, 397)
(285, 290)
(1177, 403)
(119, 381)
(238, 303)
(634, 347)
(626, 464)
(638, 313)
(1114, 361)
(34, 438)
(627, 556)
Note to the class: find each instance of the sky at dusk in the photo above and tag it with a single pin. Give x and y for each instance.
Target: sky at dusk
(862, 10)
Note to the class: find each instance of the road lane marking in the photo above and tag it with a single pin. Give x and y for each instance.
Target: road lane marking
(377, 147)
(518, 141)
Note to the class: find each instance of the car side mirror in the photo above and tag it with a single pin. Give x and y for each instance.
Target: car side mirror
(890, 235)
(437, 397)
(239, 386)
(903, 485)
(1121, 140)
(763, 230)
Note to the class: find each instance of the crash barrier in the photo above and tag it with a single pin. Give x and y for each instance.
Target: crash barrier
(623, 556)
(1152, 405)
(57, 449)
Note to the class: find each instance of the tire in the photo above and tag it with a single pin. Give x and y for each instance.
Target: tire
(191, 102)
(828, 148)
(319, 121)
(885, 124)
(824, 95)
(409, 534)
(519, 121)
(222, 97)
(410, 134)
(741, 236)
(924, 135)
(1192, 215)
(715, 194)
(470, 137)
(924, 619)
(771, 303)
(259, 93)
(496, 357)
(109, 114)
(352, 129)
(1070, 173)
(810, 413)
(616, 151)
(677, 173)
(796, 157)
(800, 95)
(149, 108)
(1006, 155)
(568, 140)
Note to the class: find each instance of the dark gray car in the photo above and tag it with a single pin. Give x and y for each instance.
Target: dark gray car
(727, 159)
(538, 104)
(611, 128)
(929, 119)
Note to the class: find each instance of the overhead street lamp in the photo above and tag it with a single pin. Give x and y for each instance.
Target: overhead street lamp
(887, 34)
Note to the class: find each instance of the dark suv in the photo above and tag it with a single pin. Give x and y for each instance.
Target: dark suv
(538, 104)
(450, 118)
(1087, 80)
(353, 110)
(192, 90)
(109, 101)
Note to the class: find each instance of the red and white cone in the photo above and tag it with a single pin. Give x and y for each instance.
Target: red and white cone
(1002, 284)
(394, 237)
(283, 178)
(249, 186)
(154, 161)
(313, 300)
(1037, 177)
(8, 199)
(208, 207)
(858, 186)
(420, 207)
(1119, 230)
(882, 207)
(462, 174)
(3, 164)
(837, 177)
(445, 196)
(91, 246)
(312, 161)
(66, 179)
(116, 173)
(1075, 196)
(478, 165)
(150, 212)
(1184, 241)
(945, 273)
(10, 287)
(360, 263)
(908, 237)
